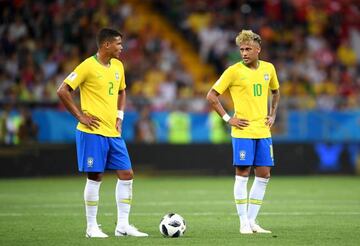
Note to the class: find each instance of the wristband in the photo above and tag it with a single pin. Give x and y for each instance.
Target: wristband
(226, 117)
(120, 114)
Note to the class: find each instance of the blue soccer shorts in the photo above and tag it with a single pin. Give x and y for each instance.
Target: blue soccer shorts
(252, 152)
(96, 153)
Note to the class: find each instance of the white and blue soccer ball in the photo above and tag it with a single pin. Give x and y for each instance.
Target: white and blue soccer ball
(172, 225)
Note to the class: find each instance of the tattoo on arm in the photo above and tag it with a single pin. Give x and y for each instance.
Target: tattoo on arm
(274, 101)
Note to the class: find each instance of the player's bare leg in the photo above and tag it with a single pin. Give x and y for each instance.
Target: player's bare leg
(262, 172)
(123, 194)
(241, 198)
(256, 196)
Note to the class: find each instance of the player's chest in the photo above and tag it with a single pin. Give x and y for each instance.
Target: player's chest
(251, 83)
(248, 78)
(107, 80)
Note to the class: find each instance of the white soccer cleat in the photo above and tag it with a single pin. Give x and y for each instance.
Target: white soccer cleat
(257, 229)
(129, 230)
(246, 229)
(95, 232)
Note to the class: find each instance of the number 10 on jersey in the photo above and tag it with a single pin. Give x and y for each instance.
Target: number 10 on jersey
(257, 89)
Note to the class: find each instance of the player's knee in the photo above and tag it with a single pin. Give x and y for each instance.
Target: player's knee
(263, 175)
(126, 174)
(242, 171)
(95, 176)
(262, 172)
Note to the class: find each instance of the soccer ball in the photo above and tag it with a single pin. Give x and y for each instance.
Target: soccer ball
(172, 225)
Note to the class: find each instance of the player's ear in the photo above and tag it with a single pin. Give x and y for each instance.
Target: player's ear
(258, 49)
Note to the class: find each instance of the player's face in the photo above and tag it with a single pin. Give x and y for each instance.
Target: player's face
(115, 47)
(250, 52)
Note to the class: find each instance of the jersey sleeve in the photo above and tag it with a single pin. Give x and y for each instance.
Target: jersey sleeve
(122, 80)
(223, 82)
(120, 69)
(75, 78)
(274, 83)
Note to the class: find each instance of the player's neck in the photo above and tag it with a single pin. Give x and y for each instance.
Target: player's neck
(103, 59)
(254, 65)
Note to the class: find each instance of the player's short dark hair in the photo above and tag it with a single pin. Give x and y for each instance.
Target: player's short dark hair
(106, 34)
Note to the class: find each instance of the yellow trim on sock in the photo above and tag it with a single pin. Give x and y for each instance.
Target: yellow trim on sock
(241, 201)
(255, 201)
(128, 201)
(91, 203)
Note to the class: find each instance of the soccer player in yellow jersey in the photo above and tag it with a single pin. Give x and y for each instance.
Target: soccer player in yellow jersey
(98, 136)
(249, 82)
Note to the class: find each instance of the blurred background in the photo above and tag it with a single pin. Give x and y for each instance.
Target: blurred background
(174, 50)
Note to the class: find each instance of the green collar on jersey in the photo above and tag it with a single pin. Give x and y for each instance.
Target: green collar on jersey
(96, 58)
(257, 65)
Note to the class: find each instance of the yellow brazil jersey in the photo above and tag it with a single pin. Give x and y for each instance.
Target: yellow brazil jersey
(99, 86)
(249, 91)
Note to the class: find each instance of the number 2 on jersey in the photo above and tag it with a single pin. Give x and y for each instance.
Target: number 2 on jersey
(257, 90)
(111, 86)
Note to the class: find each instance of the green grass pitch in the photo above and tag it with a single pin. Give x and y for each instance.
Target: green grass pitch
(315, 210)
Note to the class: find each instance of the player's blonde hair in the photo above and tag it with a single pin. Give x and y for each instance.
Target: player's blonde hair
(247, 36)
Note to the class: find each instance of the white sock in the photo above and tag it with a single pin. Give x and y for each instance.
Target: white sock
(123, 194)
(240, 194)
(256, 197)
(91, 198)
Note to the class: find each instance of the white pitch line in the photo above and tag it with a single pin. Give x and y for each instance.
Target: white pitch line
(182, 203)
(351, 213)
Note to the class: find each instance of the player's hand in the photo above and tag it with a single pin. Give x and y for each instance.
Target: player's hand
(270, 119)
(118, 125)
(90, 121)
(238, 123)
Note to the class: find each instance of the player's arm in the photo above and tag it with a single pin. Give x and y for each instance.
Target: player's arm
(270, 119)
(121, 109)
(213, 99)
(65, 94)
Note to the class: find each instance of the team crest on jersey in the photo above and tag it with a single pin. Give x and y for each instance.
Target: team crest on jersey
(117, 76)
(266, 76)
(90, 162)
(242, 155)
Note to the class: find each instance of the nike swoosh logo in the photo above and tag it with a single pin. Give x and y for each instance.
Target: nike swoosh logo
(122, 233)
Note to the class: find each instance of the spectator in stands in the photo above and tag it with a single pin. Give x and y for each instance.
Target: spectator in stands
(179, 125)
(28, 129)
(9, 123)
(145, 128)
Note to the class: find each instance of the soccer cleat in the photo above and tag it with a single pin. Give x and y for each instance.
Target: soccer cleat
(246, 229)
(129, 230)
(257, 229)
(95, 232)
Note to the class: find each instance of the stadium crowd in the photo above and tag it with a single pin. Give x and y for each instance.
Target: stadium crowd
(312, 43)
(315, 46)
(42, 42)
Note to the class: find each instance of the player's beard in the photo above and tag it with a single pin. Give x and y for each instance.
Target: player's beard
(117, 55)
